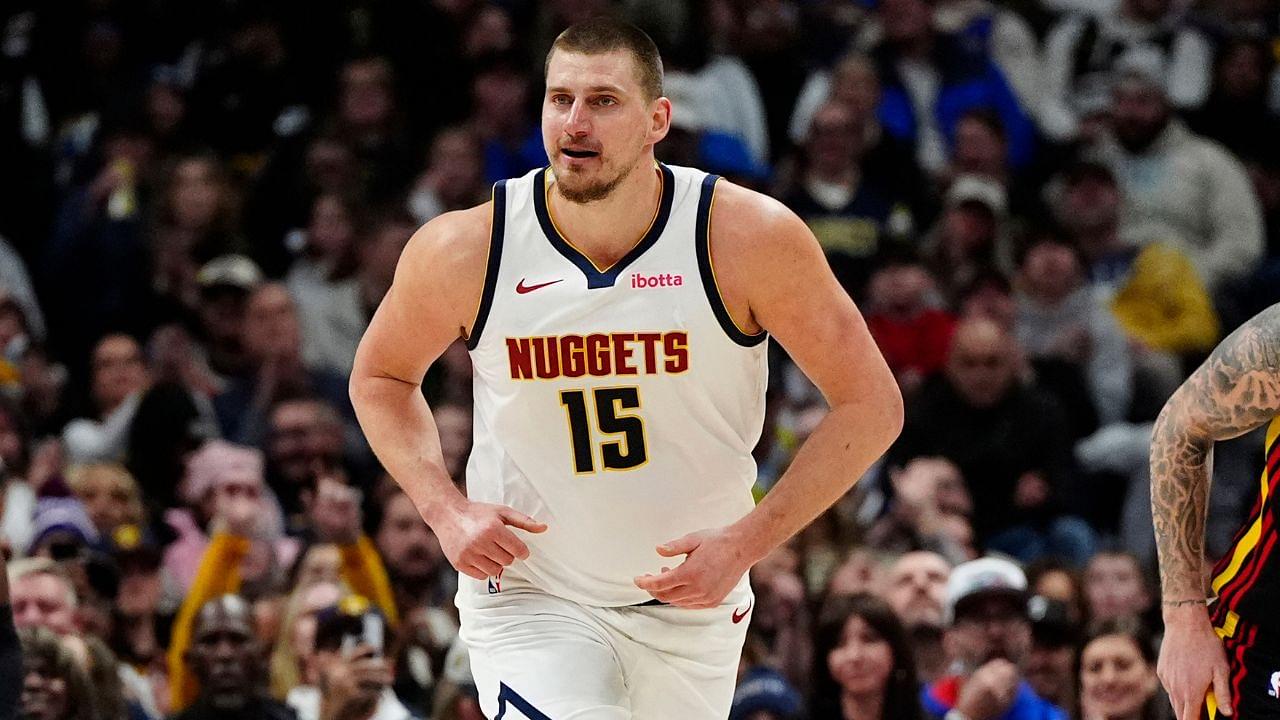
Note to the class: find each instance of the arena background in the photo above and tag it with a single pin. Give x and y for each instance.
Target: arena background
(1049, 211)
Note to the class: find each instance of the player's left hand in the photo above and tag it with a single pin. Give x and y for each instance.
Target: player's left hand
(715, 560)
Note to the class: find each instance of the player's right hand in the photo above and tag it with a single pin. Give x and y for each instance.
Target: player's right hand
(1191, 660)
(477, 538)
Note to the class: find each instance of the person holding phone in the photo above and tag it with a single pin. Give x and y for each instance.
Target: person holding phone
(352, 649)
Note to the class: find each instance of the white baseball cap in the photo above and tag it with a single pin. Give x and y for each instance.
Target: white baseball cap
(985, 576)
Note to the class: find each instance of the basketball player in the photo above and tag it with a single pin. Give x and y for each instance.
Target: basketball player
(1221, 649)
(616, 311)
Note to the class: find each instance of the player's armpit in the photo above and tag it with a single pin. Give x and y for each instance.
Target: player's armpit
(433, 298)
(1236, 390)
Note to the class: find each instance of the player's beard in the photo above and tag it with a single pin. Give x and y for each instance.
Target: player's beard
(589, 192)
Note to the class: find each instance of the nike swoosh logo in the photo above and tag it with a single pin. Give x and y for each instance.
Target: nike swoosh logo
(521, 288)
(737, 616)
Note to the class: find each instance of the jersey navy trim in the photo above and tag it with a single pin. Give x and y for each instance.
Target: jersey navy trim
(597, 278)
(702, 240)
(495, 257)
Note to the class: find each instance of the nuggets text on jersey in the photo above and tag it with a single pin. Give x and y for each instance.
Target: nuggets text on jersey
(598, 355)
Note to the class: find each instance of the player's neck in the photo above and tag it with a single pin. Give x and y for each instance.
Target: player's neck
(606, 229)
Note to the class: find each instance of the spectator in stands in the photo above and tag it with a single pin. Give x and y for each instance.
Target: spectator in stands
(1118, 672)
(318, 279)
(225, 284)
(246, 94)
(335, 314)
(1072, 340)
(915, 586)
(18, 499)
(1115, 586)
(110, 495)
(415, 562)
(453, 178)
(863, 667)
(853, 83)
(512, 143)
(1179, 180)
(1009, 441)
(371, 122)
(304, 440)
(119, 379)
(1051, 663)
(293, 657)
(763, 694)
(54, 684)
(1151, 288)
(930, 507)
(1237, 113)
(968, 239)
(849, 211)
(354, 674)
(273, 346)
(42, 595)
(930, 81)
(1080, 57)
(225, 659)
(912, 333)
(1058, 582)
(988, 638)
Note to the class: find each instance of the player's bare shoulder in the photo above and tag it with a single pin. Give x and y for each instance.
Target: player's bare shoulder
(753, 239)
(443, 266)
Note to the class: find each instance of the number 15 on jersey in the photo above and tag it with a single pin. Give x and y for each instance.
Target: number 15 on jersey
(611, 420)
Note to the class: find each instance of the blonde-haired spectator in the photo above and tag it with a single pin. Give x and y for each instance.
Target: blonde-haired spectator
(110, 495)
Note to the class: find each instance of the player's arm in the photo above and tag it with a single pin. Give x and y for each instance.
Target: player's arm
(1236, 390)
(773, 276)
(432, 303)
(792, 293)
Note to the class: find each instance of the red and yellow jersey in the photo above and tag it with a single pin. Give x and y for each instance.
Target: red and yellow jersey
(1246, 580)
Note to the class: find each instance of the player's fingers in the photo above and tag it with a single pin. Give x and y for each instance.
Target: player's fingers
(1222, 687)
(513, 545)
(499, 554)
(518, 519)
(487, 567)
(663, 582)
(680, 546)
(472, 571)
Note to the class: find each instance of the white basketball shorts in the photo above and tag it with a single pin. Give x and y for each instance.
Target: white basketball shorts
(536, 656)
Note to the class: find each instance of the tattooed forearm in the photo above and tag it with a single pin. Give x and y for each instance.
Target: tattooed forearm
(1234, 391)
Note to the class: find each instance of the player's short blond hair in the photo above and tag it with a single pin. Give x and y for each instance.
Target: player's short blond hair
(602, 35)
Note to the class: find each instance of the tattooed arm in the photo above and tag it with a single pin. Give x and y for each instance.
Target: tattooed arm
(1236, 390)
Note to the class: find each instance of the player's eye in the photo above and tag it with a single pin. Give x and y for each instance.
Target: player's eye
(606, 101)
(561, 100)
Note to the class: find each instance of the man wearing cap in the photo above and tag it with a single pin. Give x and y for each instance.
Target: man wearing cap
(225, 284)
(988, 641)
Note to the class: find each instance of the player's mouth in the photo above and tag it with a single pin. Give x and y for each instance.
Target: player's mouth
(579, 154)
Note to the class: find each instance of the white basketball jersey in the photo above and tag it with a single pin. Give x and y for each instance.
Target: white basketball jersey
(618, 405)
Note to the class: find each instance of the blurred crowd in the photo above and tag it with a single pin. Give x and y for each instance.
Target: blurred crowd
(1049, 211)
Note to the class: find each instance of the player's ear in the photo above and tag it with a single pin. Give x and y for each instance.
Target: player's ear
(660, 119)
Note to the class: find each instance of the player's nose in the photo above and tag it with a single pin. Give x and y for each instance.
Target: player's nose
(577, 123)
